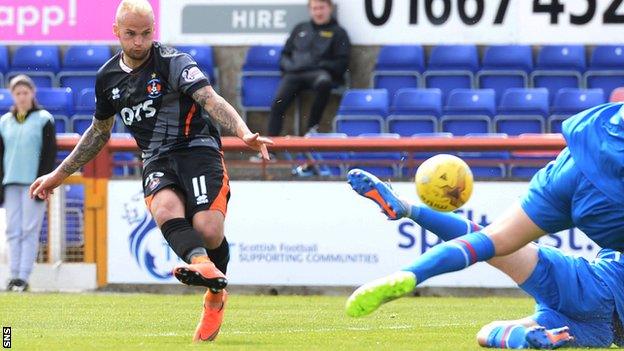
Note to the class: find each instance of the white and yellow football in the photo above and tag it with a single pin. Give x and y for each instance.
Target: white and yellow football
(444, 182)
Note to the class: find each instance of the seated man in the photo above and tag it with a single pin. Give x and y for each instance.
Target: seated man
(316, 56)
(570, 294)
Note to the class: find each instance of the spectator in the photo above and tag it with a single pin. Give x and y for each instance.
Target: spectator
(28, 150)
(316, 56)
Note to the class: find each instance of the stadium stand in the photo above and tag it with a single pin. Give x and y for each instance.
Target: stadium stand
(362, 111)
(469, 111)
(4, 63)
(570, 101)
(559, 66)
(451, 67)
(415, 111)
(504, 67)
(260, 78)
(522, 111)
(606, 68)
(40, 62)
(80, 64)
(386, 170)
(203, 55)
(397, 67)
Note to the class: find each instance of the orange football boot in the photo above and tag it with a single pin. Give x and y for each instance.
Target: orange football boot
(212, 316)
(202, 272)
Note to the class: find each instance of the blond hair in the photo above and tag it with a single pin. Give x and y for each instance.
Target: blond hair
(141, 7)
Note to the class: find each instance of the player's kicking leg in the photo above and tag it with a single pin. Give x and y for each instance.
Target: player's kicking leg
(210, 224)
(448, 227)
(167, 209)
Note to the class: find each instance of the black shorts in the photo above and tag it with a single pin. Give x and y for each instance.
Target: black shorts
(197, 173)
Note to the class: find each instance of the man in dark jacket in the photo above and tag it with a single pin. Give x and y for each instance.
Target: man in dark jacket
(315, 57)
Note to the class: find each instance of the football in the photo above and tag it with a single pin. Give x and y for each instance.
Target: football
(444, 182)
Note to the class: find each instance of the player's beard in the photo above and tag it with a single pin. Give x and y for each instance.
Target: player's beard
(138, 56)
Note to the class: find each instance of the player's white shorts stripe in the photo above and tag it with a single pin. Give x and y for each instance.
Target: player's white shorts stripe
(463, 251)
(195, 187)
(202, 184)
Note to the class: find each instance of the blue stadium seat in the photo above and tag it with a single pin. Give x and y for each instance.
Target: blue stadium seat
(451, 67)
(522, 111)
(40, 62)
(6, 101)
(260, 78)
(362, 111)
(203, 55)
(80, 65)
(489, 171)
(504, 67)
(415, 111)
(469, 111)
(397, 67)
(559, 66)
(4, 63)
(4, 59)
(389, 161)
(76, 81)
(606, 68)
(56, 100)
(85, 57)
(570, 101)
(61, 124)
(80, 123)
(263, 58)
(85, 103)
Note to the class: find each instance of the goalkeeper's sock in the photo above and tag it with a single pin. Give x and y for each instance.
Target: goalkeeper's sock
(508, 337)
(447, 226)
(452, 256)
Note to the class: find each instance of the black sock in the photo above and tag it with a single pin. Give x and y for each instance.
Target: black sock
(220, 256)
(181, 237)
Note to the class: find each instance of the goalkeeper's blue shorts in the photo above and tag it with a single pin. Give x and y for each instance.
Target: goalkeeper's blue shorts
(568, 292)
(561, 197)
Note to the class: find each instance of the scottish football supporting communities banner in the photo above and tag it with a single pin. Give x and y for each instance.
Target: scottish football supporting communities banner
(308, 233)
(27, 21)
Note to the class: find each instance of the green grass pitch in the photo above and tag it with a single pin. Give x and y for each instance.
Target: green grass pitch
(105, 321)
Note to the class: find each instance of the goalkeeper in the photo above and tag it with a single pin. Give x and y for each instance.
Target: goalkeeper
(584, 187)
(557, 281)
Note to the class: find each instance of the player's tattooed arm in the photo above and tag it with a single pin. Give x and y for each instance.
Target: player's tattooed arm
(90, 144)
(221, 111)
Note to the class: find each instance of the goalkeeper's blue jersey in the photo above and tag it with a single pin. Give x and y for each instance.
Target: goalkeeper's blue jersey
(596, 142)
(595, 138)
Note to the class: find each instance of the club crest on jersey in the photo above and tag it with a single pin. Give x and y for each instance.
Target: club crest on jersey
(153, 180)
(154, 87)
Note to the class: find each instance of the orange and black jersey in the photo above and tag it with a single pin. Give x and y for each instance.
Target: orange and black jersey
(155, 101)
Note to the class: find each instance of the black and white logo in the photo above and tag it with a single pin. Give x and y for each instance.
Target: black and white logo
(199, 190)
(115, 93)
(153, 180)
